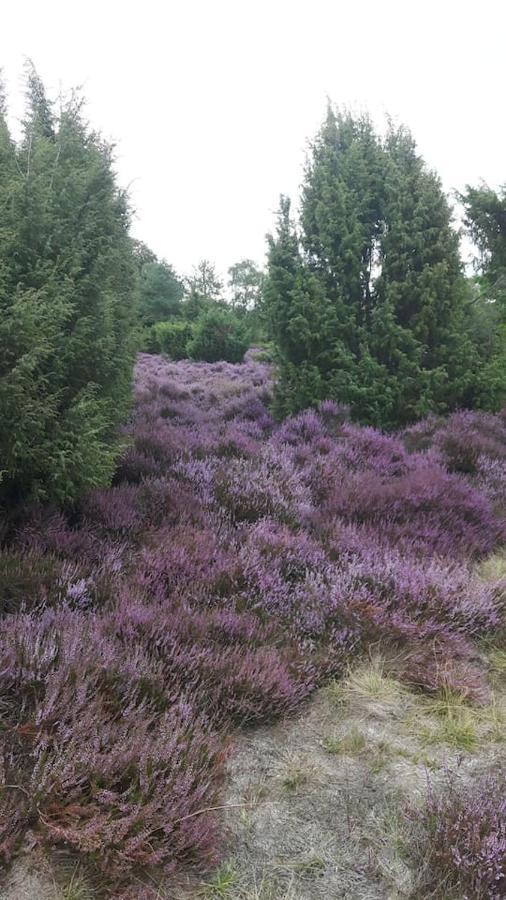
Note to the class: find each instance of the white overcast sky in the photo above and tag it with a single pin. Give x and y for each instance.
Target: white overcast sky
(211, 102)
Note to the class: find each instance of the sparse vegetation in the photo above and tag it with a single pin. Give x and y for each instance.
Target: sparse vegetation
(351, 743)
(462, 840)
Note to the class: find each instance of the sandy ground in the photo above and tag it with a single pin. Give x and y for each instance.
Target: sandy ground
(315, 805)
(324, 796)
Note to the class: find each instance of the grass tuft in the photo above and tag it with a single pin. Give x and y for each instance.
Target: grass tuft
(351, 743)
(370, 683)
(222, 882)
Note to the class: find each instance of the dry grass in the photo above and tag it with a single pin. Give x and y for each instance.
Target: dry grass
(37, 878)
(221, 884)
(258, 886)
(493, 568)
(496, 659)
(342, 776)
(448, 719)
(371, 684)
(351, 743)
(315, 804)
(296, 771)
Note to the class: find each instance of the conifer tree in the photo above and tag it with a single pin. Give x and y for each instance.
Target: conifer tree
(160, 292)
(388, 299)
(486, 221)
(485, 217)
(67, 303)
(304, 325)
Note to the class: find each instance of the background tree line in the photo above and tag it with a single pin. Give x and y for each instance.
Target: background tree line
(194, 316)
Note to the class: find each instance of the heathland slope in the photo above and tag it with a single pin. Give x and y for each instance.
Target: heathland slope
(235, 566)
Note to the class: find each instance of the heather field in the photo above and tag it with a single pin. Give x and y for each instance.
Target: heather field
(241, 583)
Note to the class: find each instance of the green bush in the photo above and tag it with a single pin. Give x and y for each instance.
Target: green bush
(218, 335)
(172, 338)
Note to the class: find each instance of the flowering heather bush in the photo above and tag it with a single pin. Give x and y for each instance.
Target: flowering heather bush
(92, 762)
(490, 479)
(428, 508)
(461, 438)
(232, 566)
(110, 723)
(270, 486)
(463, 838)
(187, 561)
(418, 598)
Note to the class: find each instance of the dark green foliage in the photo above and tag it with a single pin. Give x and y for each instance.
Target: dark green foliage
(486, 220)
(195, 305)
(160, 292)
(485, 217)
(67, 278)
(369, 306)
(218, 335)
(172, 338)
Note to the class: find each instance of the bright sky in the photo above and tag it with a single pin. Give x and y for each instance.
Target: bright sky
(211, 101)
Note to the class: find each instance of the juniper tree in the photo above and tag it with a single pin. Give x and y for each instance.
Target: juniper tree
(160, 292)
(67, 304)
(303, 323)
(386, 318)
(485, 218)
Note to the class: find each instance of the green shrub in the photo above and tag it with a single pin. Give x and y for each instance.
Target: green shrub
(172, 338)
(218, 335)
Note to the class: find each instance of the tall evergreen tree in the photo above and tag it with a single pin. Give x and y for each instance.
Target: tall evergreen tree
(67, 304)
(160, 292)
(388, 296)
(420, 280)
(485, 217)
(314, 361)
(485, 211)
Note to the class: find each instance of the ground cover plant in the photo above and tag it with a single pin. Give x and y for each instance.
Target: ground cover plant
(462, 838)
(233, 566)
